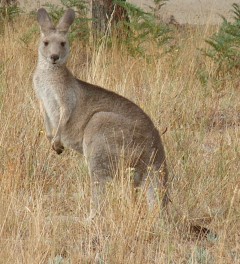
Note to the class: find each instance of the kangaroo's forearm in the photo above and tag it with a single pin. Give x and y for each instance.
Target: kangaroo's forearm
(47, 122)
(65, 114)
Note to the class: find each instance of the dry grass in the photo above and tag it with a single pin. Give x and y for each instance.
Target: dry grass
(44, 198)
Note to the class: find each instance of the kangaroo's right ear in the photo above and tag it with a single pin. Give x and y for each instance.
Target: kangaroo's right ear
(44, 21)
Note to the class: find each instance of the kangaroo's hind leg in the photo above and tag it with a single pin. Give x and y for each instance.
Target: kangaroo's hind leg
(102, 143)
(101, 174)
(102, 166)
(153, 181)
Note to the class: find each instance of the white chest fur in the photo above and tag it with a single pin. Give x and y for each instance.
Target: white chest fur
(47, 90)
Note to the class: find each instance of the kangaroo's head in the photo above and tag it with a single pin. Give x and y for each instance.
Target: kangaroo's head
(54, 45)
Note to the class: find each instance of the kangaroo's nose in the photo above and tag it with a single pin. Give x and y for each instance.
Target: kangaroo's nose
(54, 57)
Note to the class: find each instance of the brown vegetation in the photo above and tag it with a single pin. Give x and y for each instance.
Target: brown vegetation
(44, 198)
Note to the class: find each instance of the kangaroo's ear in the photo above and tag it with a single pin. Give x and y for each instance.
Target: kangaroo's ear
(44, 21)
(66, 21)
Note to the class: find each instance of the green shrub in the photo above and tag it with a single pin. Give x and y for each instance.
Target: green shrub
(225, 44)
(8, 12)
(143, 27)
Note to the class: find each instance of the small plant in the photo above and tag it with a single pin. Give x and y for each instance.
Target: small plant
(225, 45)
(29, 35)
(143, 27)
(201, 256)
(158, 4)
(9, 10)
(57, 260)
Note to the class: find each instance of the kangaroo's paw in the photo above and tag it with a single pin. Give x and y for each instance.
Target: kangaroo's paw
(57, 146)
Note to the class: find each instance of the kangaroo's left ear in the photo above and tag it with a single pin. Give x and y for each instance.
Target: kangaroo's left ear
(66, 21)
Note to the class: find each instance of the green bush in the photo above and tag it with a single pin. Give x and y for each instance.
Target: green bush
(7, 13)
(143, 27)
(225, 44)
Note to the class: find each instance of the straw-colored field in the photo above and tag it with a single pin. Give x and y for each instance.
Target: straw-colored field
(44, 198)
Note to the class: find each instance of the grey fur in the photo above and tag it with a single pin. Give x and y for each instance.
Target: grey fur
(101, 124)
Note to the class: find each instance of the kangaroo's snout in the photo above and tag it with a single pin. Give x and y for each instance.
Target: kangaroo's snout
(54, 58)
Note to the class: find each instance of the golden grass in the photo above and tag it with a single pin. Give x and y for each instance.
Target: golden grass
(44, 198)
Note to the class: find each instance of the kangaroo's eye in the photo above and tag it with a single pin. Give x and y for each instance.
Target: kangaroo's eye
(63, 44)
(45, 43)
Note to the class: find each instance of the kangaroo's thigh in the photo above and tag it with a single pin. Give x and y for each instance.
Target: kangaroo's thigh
(101, 169)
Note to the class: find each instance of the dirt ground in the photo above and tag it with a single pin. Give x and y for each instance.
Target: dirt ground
(184, 11)
(194, 11)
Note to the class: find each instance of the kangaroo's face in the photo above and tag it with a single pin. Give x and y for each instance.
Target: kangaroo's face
(54, 45)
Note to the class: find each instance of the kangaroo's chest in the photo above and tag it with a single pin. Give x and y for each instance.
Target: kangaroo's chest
(48, 92)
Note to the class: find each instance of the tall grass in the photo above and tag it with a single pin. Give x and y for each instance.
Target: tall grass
(44, 198)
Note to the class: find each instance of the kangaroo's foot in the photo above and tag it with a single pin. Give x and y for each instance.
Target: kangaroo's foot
(57, 146)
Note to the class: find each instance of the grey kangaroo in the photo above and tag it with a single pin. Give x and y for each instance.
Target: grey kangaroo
(102, 125)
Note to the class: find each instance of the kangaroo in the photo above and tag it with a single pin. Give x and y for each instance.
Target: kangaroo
(91, 120)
